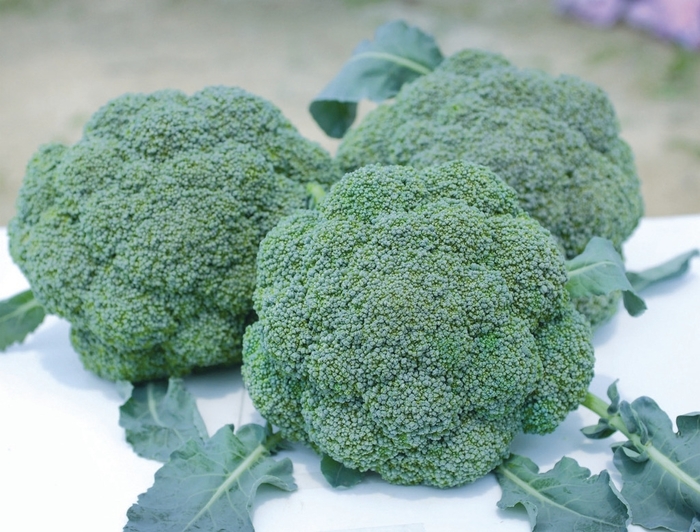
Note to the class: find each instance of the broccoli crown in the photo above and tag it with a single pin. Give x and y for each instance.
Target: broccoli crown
(554, 140)
(143, 235)
(414, 324)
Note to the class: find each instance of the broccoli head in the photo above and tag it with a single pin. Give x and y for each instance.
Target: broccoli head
(143, 235)
(414, 324)
(554, 140)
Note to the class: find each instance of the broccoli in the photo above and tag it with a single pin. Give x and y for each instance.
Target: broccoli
(554, 140)
(413, 324)
(143, 235)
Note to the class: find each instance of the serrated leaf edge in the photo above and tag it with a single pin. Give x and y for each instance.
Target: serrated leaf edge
(21, 309)
(538, 495)
(18, 312)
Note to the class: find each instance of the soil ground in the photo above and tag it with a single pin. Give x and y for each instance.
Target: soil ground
(60, 60)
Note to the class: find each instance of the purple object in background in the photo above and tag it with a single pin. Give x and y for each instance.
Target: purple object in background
(602, 13)
(674, 20)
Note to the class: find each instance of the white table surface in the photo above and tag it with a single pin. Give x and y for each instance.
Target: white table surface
(65, 465)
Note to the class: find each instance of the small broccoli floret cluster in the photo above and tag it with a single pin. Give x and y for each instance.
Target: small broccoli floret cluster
(143, 235)
(554, 140)
(414, 324)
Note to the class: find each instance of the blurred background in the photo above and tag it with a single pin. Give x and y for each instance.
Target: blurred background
(60, 60)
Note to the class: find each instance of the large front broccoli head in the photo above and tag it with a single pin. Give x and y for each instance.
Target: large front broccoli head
(554, 140)
(143, 235)
(414, 324)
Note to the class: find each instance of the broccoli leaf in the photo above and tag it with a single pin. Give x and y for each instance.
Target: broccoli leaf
(161, 417)
(376, 71)
(633, 304)
(338, 475)
(660, 469)
(670, 269)
(600, 270)
(600, 431)
(19, 315)
(565, 498)
(210, 485)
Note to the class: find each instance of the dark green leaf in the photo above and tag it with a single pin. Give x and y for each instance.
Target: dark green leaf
(661, 480)
(671, 269)
(614, 396)
(600, 431)
(565, 498)
(338, 475)
(333, 117)
(19, 315)
(210, 485)
(159, 418)
(634, 305)
(376, 71)
(600, 270)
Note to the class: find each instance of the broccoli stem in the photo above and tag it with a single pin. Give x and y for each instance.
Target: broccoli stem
(316, 193)
(599, 406)
(596, 405)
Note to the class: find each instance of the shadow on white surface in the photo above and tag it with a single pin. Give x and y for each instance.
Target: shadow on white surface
(56, 355)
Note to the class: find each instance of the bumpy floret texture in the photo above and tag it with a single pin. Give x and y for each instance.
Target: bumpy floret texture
(554, 140)
(414, 324)
(143, 234)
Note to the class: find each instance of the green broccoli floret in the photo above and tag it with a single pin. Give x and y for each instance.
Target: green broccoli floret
(143, 235)
(554, 140)
(414, 324)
